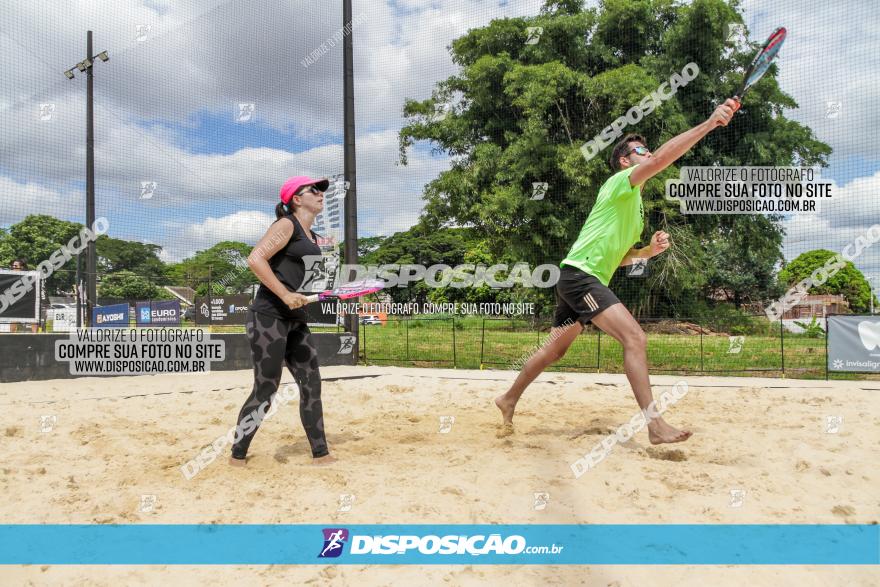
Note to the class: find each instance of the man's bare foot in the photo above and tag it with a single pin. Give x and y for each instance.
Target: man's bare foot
(504, 431)
(325, 460)
(506, 409)
(659, 432)
(237, 462)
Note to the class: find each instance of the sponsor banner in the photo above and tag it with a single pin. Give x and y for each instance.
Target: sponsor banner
(115, 316)
(598, 544)
(164, 313)
(854, 344)
(63, 320)
(20, 296)
(222, 310)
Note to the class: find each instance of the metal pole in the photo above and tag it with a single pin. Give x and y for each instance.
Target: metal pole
(782, 344)
(482, 340)
(406, 325)
(77, 286)
(350, 171)
(701, 348)
(210, 295)
(91, 260)
(454, 359)
(827, 333)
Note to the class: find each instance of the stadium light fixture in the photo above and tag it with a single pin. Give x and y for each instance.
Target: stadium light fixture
(86, 65)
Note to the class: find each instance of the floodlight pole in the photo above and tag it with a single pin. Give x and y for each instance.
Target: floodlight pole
(91, 258)
(91, 261)
(350, 252)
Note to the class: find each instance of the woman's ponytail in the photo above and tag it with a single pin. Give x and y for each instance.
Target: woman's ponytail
(281, 210)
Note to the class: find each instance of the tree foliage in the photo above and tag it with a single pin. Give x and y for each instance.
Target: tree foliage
(121, 255)
(520, 113)
(848, 281)
(224, 266)
(128, 285)
(34, 239)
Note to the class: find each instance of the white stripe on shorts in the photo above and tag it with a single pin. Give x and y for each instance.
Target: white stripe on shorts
(588, 299)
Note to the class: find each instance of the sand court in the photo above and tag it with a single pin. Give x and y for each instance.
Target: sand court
(425, 446)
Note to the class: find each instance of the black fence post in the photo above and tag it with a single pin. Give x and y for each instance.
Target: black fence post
(701, 348)
(599, 350)
(482, 339)
(454, 356)
(827, 334)
(782, 345)
(364, 335)
(210, 294)
(406, 326)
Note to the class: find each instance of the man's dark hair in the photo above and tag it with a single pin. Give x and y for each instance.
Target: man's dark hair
(621, 148)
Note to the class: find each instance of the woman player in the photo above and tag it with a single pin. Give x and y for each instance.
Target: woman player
(276, 323)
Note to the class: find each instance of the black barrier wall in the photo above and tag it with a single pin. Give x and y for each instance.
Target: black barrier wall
(31, 357)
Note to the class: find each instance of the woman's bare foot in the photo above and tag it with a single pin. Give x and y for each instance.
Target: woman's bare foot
(237, 462)
(325, 460)
(659, 432)
(506, 408)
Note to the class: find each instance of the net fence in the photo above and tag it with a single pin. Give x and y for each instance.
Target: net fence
(484, 132)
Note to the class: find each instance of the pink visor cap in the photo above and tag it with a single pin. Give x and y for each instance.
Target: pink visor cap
(294, 183)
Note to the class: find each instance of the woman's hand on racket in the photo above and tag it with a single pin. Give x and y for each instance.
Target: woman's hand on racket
(659, 243)
(294, 300)
(724, 113)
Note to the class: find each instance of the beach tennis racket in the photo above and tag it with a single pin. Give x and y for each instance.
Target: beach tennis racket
(761, 63)
(354, 289)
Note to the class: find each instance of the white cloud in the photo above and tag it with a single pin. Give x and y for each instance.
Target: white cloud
(826, 57)
(21, 199)
(852, 209)
(206, 56)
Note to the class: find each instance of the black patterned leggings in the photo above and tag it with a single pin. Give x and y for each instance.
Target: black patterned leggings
(275, 342)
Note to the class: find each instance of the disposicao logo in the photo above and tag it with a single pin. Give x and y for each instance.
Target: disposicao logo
(334, 540)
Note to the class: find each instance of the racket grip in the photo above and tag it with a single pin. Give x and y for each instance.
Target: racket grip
(738, 101)
(313, 298)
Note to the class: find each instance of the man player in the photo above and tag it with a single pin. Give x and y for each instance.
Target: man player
(605, 243)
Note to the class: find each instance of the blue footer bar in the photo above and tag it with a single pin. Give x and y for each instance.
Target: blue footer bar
(635, 544)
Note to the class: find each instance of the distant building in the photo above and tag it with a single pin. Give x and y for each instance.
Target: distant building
(818, 305)
(329, 221)
(186, 295)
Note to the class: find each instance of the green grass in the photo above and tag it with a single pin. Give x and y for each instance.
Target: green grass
(505, 344)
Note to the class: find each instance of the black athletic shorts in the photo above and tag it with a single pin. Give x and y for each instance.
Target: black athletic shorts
(580, 296)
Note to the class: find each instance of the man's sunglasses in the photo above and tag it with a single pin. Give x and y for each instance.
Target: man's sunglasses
(638, 151)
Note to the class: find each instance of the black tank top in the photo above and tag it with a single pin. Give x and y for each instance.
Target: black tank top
(289, 268)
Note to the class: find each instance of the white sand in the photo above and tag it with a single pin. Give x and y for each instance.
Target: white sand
(116, 439)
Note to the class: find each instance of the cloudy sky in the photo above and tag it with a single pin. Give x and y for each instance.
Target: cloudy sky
(166, 109)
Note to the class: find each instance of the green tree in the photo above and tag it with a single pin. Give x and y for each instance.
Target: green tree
(522, 111)
(34, 239)
(7, 253)
(140, 258)
(848, 281)
(420, 245)
(127, 285)
(224, 266)
(366, 245)
(742, 261)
